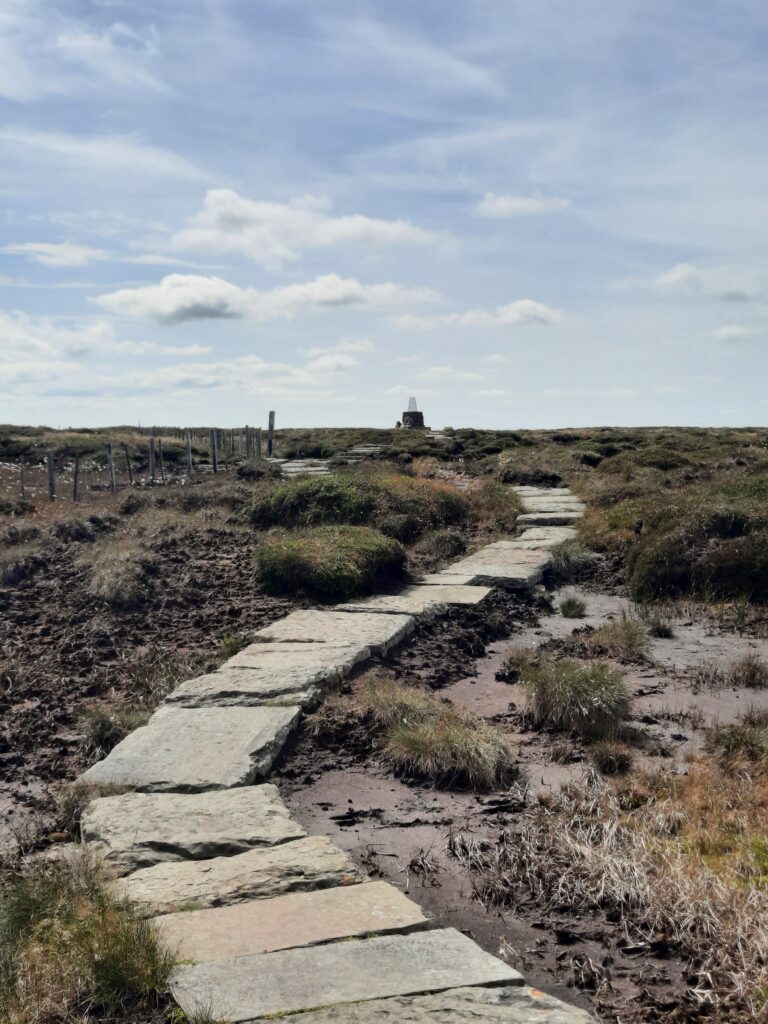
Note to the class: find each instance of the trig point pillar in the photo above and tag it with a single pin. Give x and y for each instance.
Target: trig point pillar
(412, 418)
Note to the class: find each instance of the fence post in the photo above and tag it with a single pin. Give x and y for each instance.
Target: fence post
(271, 435)
(214, 454)
(190, 467)
(152, 459)
(76, 478)
(51, 475)
(21, 476)
(111, 468)
(258, 442)
(128, 465)
(162, 461)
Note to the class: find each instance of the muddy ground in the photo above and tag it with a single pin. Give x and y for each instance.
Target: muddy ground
(64, 653)
(403, 831)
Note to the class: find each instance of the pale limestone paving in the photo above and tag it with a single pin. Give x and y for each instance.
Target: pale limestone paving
(506, 1004)
(446, 577)
(191, 750)
(137, 830)
(503, 564)
(272, 673)
(419, 599)
(547, 536)
(548, 505)
(258, 874)
(246, 988)
(377, 632)
(298, 919)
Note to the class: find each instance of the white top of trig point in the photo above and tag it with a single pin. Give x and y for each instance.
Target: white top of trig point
(412, 407)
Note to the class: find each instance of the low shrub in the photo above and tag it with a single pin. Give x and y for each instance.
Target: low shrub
(329, 563)
(69, 950)
(400, 506)
(611, 758)
(745, 740)
(590, 698)
(573, 608)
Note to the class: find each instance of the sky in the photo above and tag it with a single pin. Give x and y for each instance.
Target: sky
(524, 213)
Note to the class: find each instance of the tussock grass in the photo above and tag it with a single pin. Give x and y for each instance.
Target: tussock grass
(329, 563)
(70, 951)
(121, 573)
(625, 639)
(750, 672)
(569, 559)
(589, 698)
(747, 740)
(429, 739)
(573, 608)
(105, 727)
(657, 620)
(611, 758)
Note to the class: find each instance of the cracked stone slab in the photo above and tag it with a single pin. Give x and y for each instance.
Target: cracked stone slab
(271, 673)
(506, 1004)
(447, 577)
(377, 632)
(505, 564)
(246, 988)
(548, 518)
(553, 505)
(312, 862)
(285, 922)
(137, 830)
(420, 599)
(547, 536)
(189, 750)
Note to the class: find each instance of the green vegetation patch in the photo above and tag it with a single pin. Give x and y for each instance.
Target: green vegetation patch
(589, 698)
(329, 563)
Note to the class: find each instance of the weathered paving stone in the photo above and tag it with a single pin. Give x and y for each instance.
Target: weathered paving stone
(298, 919)
(271, 673)
(505, 564)
(506, 1004)
(248, 987)
(554, 505)
(447, 577)
(258, 874)
(377, 632)
(420, 599)
(190, 750)
(546, 536)
(137, 830)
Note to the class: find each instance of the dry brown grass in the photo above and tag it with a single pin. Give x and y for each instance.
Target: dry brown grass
(651, 856)
(121, 572)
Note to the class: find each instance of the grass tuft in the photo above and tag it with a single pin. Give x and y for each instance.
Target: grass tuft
(569, 559)
(590, 699)
(611, 758)
(69, 950)
(329, 563)
(573, 608)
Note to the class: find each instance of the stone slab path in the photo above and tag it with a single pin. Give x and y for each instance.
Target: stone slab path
(266, 920)
(293, 980)
(190, 750)
(286, 922)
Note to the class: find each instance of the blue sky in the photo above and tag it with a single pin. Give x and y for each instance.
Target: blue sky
(526, 213)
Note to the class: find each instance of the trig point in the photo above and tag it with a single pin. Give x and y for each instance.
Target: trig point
(413, 419)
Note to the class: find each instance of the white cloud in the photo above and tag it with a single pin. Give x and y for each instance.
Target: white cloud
(733, 333)
(590, 392)
(523, 311)
(448, 373)
(122, 154)
(57, 254)
(408, 390)
(490, 393)
(496, 205)
(343, 355)
(119, 55)
(682, 275)
(180, 297)
(273, 234)
(496, 359)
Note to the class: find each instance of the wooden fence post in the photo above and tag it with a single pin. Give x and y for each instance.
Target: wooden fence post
(51, 475)
(214, 454)
(162, 461)
(190, 467)
(271, 435)
(128, 465)
(76, 478)
(21, 476)
(258, 442)
(111, 468)
(152, 459)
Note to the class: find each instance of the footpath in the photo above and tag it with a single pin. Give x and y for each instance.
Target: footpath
(265, 919)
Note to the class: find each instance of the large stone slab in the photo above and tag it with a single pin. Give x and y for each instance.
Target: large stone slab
(549, 518)
(246, 988)
(191, 750)
(546, 536)
(446, 577)
(309, 863)
(420, 599)
(505, 564)
(272, 673)
(298, 919)
(505, 1004)
(553, 505)
(525, 490)
(137, 830)
(377, 632)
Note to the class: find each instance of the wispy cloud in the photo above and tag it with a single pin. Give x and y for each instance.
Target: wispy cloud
(523, 311)
(501, 205)
(57, 254)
